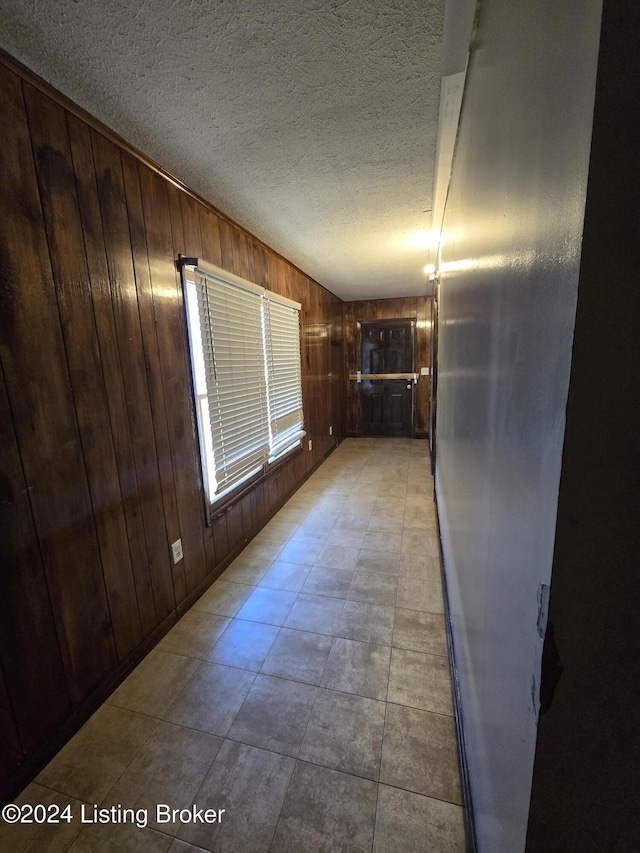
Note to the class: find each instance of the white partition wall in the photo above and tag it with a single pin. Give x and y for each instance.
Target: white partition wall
(509, 277)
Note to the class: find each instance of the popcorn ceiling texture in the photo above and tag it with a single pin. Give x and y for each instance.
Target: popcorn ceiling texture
(311, 122)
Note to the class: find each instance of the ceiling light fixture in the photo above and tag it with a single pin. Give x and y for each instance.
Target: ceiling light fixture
(423, 239)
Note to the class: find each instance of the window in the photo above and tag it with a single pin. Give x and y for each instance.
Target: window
(245, 357)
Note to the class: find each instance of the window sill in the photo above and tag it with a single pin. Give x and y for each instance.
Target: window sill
(225, 504)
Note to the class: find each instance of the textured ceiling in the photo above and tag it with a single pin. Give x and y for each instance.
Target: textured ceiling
(312, 123)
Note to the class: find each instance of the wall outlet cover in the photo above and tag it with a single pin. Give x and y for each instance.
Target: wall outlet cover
(176, 549)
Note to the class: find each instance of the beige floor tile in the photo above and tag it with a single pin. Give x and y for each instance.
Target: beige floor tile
(379, 562)
(412, 823)
(419, 631)
(369, 623)
(397, 489)
(298, 656)
(244, 644)
(326, 812)
(415, 594)
(223, 597)
(154, 683)
(277, 531)
(263, 551)
(345, 733)
(420, 487)
(361, 500)
(382, 540)
(169, 769)
(420, 542)
(211, 700)
(42, 837)
(289, 576)
(91, 762)
(425, 503)
(420, 519)
(384, 523)
(337, 557)
(374, 588)
(333, 583)
(246, 571)
(360, 668)
(96, 838)
(270, 606)
(303, 501)
(290, 514)
(331, 504)
(178, 846)
(353, 519)
(310, 531)
(274, 715)
(421, 566)
(348, 538)
(315, 613)
(250, 784)
(194, 634)
(420, 753)
(390, 507)
(300, 552)
(420, 681)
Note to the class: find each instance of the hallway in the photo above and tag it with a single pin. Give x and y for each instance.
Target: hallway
(306, 693)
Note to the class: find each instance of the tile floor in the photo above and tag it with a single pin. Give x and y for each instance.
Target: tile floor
(307, 692)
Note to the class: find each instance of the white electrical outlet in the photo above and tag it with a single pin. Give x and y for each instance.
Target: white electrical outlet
(310, 444)
(176, 548)
(330, 430)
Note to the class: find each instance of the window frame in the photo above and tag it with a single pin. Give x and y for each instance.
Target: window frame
(189, 267)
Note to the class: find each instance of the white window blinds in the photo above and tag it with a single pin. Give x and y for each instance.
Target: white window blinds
(284, 381)
(245, 350)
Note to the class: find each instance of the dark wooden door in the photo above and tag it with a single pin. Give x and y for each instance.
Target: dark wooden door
(387, 353)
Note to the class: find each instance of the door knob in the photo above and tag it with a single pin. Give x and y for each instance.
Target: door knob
(408, 385)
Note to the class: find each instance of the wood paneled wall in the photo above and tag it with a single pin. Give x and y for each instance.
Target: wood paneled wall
(404, 307)
(100, 463)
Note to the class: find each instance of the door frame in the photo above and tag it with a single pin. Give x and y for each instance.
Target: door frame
(369, 321)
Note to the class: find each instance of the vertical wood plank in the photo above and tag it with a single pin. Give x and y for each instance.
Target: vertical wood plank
(91, 220)
(221, 537)
(260, 266)
(226, 247)
(245, 507)
(112, 198)
(11, 751)
(195, 485)
(29, 649)
(56, 181)
(210, 235)
(155, 382)
(169, 313)
(201, 230)
(235, 526)
(240, 254)
(34, 360)
(272, 272)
